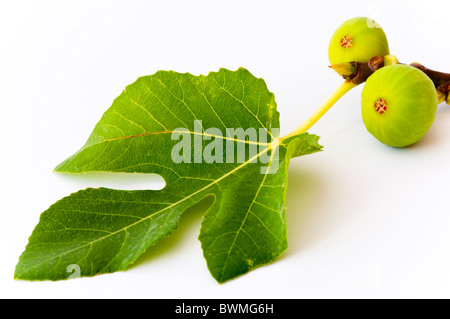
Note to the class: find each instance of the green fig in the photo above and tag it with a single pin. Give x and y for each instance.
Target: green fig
(398, 104)
(357, 39)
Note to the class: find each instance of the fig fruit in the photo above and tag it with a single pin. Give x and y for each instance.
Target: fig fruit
(398, 104)
(358, 39)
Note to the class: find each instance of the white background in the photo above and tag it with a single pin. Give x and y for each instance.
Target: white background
(364, 220)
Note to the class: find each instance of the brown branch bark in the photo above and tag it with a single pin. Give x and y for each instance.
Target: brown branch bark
(358, 73)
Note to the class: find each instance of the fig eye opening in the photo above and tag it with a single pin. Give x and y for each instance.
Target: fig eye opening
(381, 106)
(346, 42)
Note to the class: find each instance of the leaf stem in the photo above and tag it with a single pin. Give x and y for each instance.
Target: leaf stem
(332, 99)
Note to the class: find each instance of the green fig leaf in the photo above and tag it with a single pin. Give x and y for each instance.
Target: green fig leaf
(205, 135)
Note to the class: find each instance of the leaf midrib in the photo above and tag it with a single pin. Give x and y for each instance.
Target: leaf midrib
(174, 131)
(245, 218)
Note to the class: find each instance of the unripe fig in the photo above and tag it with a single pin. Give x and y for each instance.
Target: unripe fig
(398, 104)
(357, 39)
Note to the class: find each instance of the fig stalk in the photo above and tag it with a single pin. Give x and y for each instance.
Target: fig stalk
(321, 110)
